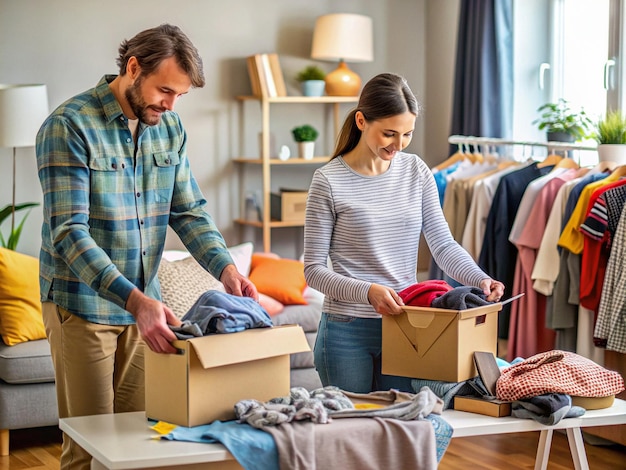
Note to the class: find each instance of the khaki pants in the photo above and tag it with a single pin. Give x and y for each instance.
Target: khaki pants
(98, 370)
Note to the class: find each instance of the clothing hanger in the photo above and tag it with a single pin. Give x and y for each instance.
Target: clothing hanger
(452, 159)
(566, 162)
(552, 159)
(490, 157)
(469, 155)
(619, 171)
(478, 157)
(605, 166)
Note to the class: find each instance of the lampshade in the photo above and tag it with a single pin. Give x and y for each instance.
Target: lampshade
(23, 108)
(343, 37)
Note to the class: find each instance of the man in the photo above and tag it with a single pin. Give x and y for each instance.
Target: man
(114, 171)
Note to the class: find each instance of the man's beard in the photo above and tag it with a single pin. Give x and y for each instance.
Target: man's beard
(138, 105)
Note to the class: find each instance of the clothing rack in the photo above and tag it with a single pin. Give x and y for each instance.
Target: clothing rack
(473, 140)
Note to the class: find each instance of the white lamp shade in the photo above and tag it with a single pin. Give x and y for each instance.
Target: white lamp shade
(343, 36)
(23, 108)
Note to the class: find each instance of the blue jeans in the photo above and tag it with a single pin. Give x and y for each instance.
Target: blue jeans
(348, 355)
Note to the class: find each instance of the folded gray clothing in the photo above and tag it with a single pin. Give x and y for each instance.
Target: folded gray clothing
(320, 405)
(219, 312)
(461, 298)
(546, 409)
(421, 405)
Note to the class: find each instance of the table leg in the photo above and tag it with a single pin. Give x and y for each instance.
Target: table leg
(543, 449)
(95, 465)
(577, 448)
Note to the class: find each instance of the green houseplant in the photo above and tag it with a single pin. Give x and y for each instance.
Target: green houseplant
(305, 135)
(611, 129)
(562, 123)
(311, 80)
(13, 238)
(610, 134)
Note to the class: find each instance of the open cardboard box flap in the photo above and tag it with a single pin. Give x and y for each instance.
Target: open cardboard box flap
(424, 326)
(235, 348)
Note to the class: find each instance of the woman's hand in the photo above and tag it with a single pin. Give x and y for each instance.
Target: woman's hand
(494, 290)
(385, 301)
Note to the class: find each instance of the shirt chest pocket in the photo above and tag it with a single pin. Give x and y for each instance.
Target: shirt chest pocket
(164, 175)
(166, 159)
(109, 175)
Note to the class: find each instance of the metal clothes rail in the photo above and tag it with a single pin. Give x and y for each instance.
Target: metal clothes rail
(473, 140)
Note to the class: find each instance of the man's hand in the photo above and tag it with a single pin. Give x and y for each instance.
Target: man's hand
(385, 301)
(152, 318)
(237, 284)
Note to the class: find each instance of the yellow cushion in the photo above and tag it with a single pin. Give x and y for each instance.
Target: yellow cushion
(20, 307)
(281, 279)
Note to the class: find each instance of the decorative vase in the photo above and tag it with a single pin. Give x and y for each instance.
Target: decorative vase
(343, 82)
(306, 150)
(612, 153)
(559, 137)
(313, 87)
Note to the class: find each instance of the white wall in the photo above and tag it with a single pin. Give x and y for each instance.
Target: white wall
(441, 36)
(69, 45)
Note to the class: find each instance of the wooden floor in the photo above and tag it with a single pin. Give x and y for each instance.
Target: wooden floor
(40, 449)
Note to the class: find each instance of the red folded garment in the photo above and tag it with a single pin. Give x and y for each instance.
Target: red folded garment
(423, 293)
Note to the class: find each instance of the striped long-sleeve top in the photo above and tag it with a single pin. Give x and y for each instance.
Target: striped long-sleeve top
(369, 227)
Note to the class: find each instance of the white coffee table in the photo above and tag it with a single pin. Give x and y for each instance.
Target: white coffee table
(125, 441)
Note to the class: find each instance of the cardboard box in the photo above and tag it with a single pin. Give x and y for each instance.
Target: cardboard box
(438, 344)
(483, 406)
(212, 373)
(288, 206)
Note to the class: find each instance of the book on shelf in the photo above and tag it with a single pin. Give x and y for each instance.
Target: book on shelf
(277, 73)
(254, 76)
(266, 76)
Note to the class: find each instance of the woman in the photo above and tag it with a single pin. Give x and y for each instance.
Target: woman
(366, 210)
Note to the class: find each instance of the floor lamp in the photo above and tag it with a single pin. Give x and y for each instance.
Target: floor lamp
(343, 37)
(23, 108)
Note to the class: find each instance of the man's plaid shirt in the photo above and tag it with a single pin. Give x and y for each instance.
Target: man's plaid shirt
(108, 202)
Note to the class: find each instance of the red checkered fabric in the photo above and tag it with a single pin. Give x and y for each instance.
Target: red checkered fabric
(557, 372)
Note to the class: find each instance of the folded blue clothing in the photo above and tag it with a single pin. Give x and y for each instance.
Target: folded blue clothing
(219, 312)
(252, 448)
(443, 434)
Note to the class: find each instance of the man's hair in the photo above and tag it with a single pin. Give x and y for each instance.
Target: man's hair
(152, 46)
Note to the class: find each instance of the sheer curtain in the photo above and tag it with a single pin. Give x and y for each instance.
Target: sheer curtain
(483, 87)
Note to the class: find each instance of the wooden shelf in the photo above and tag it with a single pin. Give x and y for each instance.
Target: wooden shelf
(272, 223)
(290, 161)
(302, 99)
(267, 164)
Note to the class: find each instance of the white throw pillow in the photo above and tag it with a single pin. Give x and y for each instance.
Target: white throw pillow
(242, 256)
(183, 280)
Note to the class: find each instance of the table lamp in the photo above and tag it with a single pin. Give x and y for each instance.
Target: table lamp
(23, 108)
(343, 37)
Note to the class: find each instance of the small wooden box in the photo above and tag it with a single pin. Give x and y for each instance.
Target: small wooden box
(483, 406)
(288, 206)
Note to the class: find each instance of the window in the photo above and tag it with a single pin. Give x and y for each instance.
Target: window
(569, 49)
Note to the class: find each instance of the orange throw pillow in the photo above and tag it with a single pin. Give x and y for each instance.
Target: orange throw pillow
(281, 279)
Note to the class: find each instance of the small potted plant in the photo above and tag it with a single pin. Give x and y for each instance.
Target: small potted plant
(311, 79)
(305, 136)
(610, 134)
(562, 123)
